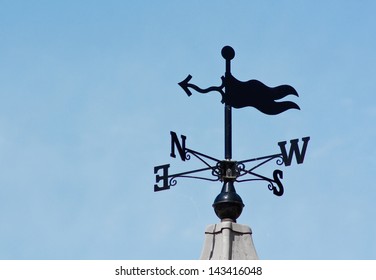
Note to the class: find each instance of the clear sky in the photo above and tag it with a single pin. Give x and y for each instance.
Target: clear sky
(89, 95)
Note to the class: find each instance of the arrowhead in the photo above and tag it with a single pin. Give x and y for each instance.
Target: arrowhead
(184, 85)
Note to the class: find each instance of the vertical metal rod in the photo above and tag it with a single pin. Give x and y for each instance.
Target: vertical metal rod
(228, 53)
(228, 132)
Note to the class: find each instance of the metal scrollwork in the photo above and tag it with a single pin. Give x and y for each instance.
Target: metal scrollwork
(216, 171)
(231, 170)
(279, 160)
(172, 182)
(271, 185)
(187, 155)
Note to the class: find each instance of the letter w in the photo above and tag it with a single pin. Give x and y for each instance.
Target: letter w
(294, 149)
(175, 142)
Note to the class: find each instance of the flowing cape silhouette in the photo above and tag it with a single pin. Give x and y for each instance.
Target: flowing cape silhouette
(256, 94)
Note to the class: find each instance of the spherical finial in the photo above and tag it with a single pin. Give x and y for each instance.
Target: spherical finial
(228, 205)
(228, 53)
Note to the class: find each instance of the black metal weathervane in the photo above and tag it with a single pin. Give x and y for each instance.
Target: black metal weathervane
(236, 94)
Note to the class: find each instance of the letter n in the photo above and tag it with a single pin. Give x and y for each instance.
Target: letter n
(294, 150)
(180, 147)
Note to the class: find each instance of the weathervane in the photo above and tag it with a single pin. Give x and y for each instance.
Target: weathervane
(235, 94)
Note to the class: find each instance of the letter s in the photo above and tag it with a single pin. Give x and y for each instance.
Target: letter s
(278, 173)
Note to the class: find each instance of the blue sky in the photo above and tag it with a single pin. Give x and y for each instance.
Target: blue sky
(89, 94)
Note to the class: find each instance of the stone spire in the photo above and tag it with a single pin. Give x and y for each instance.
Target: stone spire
(228, 240)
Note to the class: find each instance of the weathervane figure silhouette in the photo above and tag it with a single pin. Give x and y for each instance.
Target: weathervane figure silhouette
(252, 93)
(236, 94)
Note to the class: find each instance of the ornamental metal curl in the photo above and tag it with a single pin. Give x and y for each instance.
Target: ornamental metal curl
(279, 160)
(187, 155)
(172, 182)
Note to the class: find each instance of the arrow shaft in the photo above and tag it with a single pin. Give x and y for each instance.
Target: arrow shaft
(206, 90)
(186, 85)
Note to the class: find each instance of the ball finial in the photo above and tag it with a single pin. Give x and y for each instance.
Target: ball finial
(228, 205)
(228, 53)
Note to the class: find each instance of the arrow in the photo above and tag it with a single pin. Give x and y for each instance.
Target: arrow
(185, 85)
